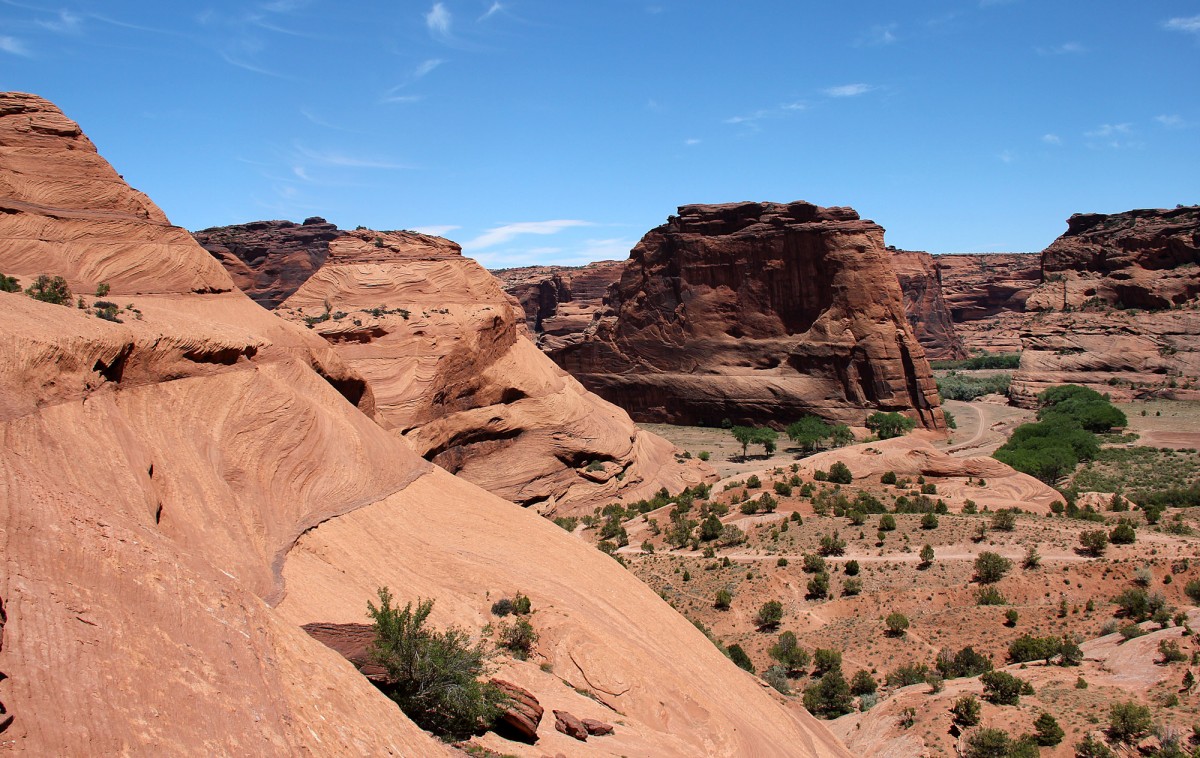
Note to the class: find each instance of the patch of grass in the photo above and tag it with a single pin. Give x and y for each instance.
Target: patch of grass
(1137, 470)
(963, 387)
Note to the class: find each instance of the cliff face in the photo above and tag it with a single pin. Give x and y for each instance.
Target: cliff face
(757, 312)
(560, 302)
(986, 294)
(269, 260)
(1118, 308)
(182, 490)
(928, 315)
(454, 371)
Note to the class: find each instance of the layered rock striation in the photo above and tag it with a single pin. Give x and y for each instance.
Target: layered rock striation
(985, 294)
(1118, 308)
(184, 489)
(454, 371)
(560, 302)
(757, 312)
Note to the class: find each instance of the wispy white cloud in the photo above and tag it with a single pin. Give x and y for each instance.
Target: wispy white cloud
(14, 46)
(1008, 156)
(849, 90)
(1052, 139)
(879, 34)
(1114, 136)
(391, 97)
(435, 230)
(752, 119)
(492, 10)
(501, 234)
(1066, 48)
(426, 67)
(1190, 24)
(1171, 121)
(342, 160)
(239, 62)
(692, 141)
(66, 22)
(1109, 130)
(438, 20)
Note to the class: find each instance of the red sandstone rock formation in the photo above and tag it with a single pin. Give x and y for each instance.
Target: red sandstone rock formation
(1118, 308)
(522, 711)
(928, 314)
(560, 302)
(269, 260)
(454, 372)
(758, 312)
(986, 294)
(190, 487)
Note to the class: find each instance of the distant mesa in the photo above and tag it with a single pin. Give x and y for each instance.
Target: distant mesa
(757, 312)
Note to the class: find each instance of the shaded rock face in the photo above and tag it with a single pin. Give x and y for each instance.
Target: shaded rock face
(985, 294)
(560, 302)
(1119, 308)
(454, 372)
(269, 260)
(928, 315)
(198, 511)
(522, 712)
(757, 312)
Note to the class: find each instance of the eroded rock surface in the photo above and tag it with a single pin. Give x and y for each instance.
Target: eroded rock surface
(231, 496)
(454, 371)
(986, 294)
(1119, 308)
(757, 312)
(560, 302)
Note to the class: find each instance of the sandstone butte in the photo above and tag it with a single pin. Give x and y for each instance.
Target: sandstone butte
(182, 491)
(928, 315)
(451, 364)
(757, 312)
(1118, 308)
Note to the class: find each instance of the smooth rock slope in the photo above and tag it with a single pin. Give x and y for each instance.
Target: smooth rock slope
(181, 491)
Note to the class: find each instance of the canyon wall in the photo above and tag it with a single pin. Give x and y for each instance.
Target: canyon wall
(187, 480)
(757, 312)
(928, 315)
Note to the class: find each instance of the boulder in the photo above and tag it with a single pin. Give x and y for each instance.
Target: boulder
(570, 725)
(522, 712)
(597, 728)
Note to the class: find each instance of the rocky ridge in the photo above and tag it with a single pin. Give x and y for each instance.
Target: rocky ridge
(757, 312)
(928, 315)
(218, 470)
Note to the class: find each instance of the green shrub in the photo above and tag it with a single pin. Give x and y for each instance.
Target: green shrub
(1090, 747)
(723, 599)
(818, 586)
(965, 710)
(988, 743)
(862, 683)
(852, 569)
(739, 657)
(825, 660)
(829, 697)
(966, 662)
(852, 587)
(50, 290)
(519, 638)
(793, 658)
(809, 432)
(1028, 648)
(888, 425)
(775, 676)
(839, 473)
(769, 615)
(831, 544)
(1081, 405)
(980, 362)
(991, 567)
(889, 477)
(908, 674)
(989, 595)
(929, 521)
(926, 556)
(1002, 688)
(433, 676)
(1123, 534)
(9, 284)
(896, 623)
(1128, 722)
(1004, 520)
(1093, 542)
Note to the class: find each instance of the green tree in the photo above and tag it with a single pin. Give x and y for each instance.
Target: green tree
(1002, 688)
(862, 683)
(988, 743)
(965, 710)
(839, 473)
(711, 528)
(896, 623)
(1123, 534)
(744, 435)
(808, 432)
(1128, 722)
(722, 601)
(818, 586)
(739, 657)
(9, 284)
(888, 425)
(926, 556)
(1090, 747)
(793, 658)
(433, 676)
(1047, 732)
(50, 290)
(991, 567)
(1093, 542)
(825, 660)
(841, 435)
(829, 697)
(769, 615)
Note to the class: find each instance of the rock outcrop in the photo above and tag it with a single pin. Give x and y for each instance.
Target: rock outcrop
(454, 372)
(928, 315)
(757, 312)
(1118, 308)
(560, 302)
(986, 294)
(191, 486)
(269, 260)
(522, 711)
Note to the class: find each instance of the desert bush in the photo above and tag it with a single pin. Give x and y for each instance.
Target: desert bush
(907, 674)
(991, 567)
(1123, 533)
(769, 615)
(839, 473)
(896, 623)
(793, 658)
(739, 658)
(929, 521)
(889, 477)
(50, 289)
(926, 556)
(1004, 520)
(829, 697)
(775, 676)
(1192, 590)
(812, 564)
(852, 587)
(1170, 652)
(818, 586)
(1028, 648)
(1128, 722)
(9, 284)
(519, 638)
(1093, 542)
(831, 544)
(1090, 747)
(826, 659)
(990, 595)
(1032, 558)
(988, 743)
(965, 710)
(433, 676)
(722, 600)
(1047, 732)
(1002, 688)
(862, 683)
(966, 662)
(852, 569)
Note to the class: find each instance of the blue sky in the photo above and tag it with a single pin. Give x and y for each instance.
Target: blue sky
(557, 131)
